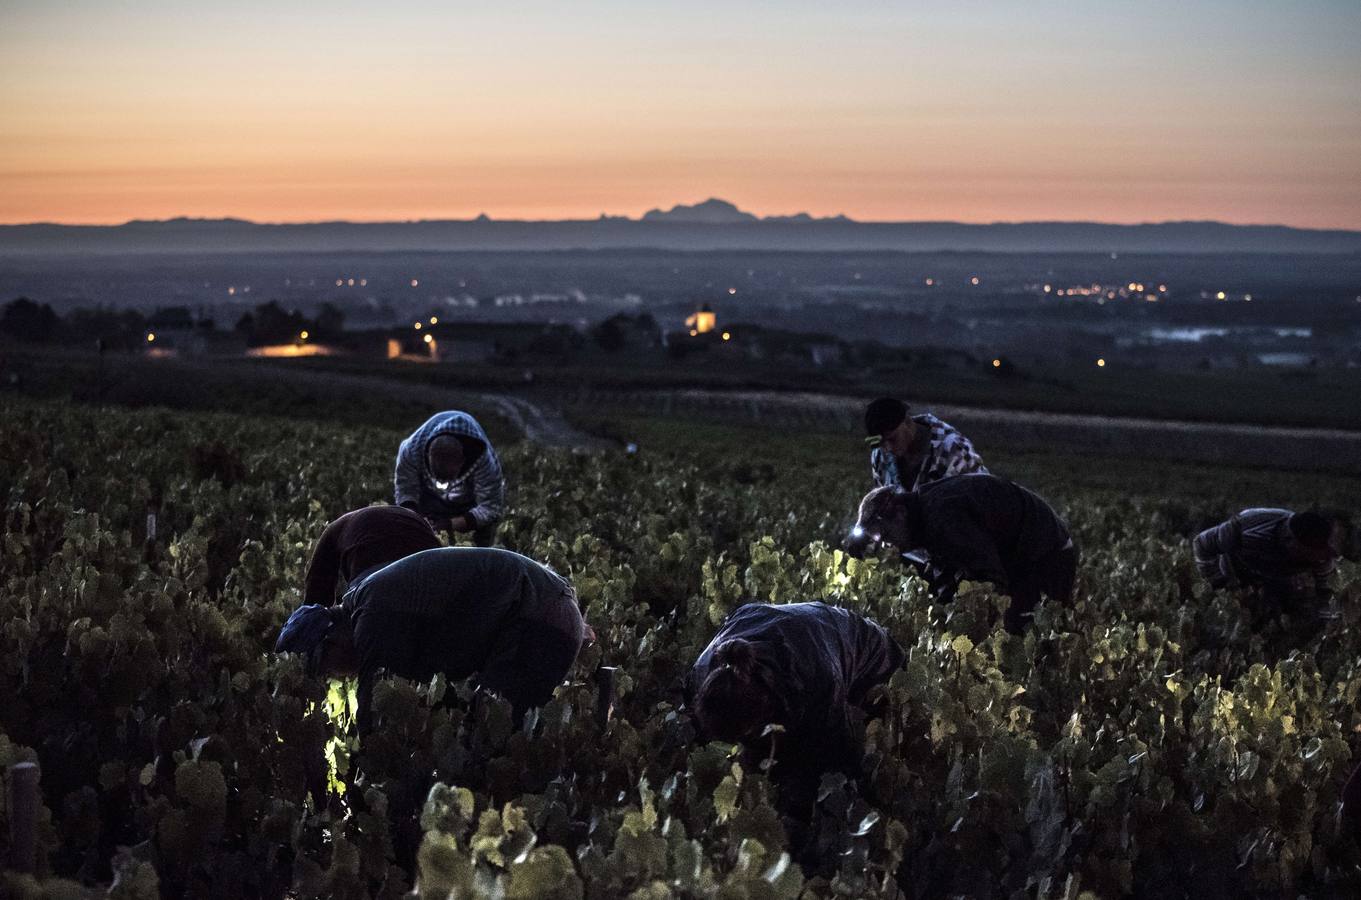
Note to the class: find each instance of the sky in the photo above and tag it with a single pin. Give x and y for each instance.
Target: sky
(1237, 110)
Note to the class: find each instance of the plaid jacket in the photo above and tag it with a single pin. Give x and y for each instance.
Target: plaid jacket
(950, 453)
(1252, 549)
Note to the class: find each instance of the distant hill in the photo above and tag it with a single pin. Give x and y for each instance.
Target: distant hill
(711, 212)
(711, 225)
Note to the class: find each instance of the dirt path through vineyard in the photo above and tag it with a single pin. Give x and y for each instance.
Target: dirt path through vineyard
(539, 423)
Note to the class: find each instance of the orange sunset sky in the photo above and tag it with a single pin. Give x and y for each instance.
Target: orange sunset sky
(1240, 111)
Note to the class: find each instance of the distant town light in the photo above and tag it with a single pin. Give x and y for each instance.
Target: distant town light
(302, 335)
(693, 333)
(997, 364)
(931, 281)
(151, 337)
(340, 282)
(1101, 364)
(727, 336)
(429, 338)
(732, 290)
(231, 292)
(1162, 289)
(363, 282)
(1048, 288)
(434, 320)
(1133, 286)
(418, 326)
(415, 282)
(350, 282)
(1220, 296)
(973, 280)
(1247, 297)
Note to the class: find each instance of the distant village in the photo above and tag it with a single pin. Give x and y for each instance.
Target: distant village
(270, 331)
(998, 345)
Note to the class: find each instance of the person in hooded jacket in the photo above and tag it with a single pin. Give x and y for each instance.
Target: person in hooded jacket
(448, 471)
(807, 667)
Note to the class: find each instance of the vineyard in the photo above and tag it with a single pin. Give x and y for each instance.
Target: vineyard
(1150, 739)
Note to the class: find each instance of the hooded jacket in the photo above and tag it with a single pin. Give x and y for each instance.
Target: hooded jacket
(481, 486)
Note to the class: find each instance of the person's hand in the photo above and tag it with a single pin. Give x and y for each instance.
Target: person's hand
(587, 634)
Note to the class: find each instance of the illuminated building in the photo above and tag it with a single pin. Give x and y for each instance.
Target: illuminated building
(702, 321)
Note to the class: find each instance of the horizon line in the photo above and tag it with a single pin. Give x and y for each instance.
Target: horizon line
(841, 219)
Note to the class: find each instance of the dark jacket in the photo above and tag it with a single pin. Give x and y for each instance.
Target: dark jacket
(822, 659)
(480, 489)
(984, 528)
(1254, 548)
(362, 540)
(452, 610)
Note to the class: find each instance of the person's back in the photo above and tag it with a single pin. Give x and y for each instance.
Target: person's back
(466, 610)
(1022, 527)
(1289, 555)
(982, 528)
(447, 602)
(815, 661)
(360, 541)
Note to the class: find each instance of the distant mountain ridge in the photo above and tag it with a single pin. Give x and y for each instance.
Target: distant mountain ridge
(713, 225)
(720, 212)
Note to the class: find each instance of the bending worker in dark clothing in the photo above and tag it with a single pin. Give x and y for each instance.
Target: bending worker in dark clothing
(1289, 555)
(360, 541)
(448, 472)
(461, 611)
(983, 528)
(804, 666)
